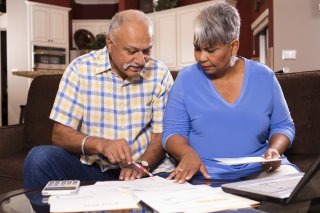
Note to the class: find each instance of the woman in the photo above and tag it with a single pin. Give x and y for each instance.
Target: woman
(225, 106)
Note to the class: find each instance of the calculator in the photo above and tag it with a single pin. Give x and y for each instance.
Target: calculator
(61, 187)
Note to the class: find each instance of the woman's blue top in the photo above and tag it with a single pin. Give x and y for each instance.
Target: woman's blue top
(215, 128)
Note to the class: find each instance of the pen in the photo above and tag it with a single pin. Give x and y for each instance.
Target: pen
(142, 169)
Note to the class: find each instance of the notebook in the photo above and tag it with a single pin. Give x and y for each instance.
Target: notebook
(281, 189)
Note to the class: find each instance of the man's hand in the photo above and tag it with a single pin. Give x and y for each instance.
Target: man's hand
(117, 151)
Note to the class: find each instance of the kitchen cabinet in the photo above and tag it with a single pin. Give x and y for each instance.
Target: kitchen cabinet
(165, 40)
(93, 26)
(174, 35)
(30, 24)
(49, 25)
(185, 30)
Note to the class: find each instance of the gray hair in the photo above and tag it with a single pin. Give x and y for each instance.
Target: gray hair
(125, 16)
(218, 23)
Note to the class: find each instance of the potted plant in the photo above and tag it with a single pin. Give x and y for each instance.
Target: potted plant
(165, 4)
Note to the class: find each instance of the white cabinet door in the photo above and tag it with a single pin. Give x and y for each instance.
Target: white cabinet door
(103, 27)
(40, 24)
(49, 25)
(185, 30)
(166, 38)
(58, 26)
(153, 50)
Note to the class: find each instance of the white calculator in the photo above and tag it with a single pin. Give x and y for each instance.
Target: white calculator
(61, 187)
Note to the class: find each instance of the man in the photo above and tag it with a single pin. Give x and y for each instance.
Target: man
(108, 111)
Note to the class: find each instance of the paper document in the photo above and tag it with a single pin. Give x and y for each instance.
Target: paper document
(160, 194)
(154, 184)
(244, 160)
(202, 198)
(90, 198)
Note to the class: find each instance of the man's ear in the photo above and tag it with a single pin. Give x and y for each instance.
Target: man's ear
(109, 44)
(235, 46)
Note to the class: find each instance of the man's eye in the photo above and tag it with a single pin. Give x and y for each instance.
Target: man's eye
(146, 52)
(132, 52)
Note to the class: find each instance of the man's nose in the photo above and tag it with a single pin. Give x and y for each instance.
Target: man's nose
(141, 58)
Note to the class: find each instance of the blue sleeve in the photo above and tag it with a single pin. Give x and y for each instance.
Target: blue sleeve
(281, 121)
(176, 118)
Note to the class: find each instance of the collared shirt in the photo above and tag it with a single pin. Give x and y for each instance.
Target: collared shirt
(98, 102)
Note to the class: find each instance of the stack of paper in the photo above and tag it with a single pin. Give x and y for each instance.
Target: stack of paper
(160, 194)
(201, 198)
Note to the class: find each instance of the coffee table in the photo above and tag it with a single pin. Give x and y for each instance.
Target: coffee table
(17, 201)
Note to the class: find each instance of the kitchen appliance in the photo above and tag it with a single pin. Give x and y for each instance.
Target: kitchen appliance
(49, 58)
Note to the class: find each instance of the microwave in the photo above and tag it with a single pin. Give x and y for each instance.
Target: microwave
(49, 58)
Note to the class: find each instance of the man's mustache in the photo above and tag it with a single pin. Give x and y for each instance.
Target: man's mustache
(126, 66)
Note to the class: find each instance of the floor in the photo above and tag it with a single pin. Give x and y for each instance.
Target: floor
(16, 205)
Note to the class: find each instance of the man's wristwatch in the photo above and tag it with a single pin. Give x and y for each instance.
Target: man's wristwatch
(144, 163)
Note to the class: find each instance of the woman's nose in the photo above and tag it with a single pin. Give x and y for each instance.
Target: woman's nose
(200, 56)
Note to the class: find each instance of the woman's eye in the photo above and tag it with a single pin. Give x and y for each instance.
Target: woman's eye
(196, 49)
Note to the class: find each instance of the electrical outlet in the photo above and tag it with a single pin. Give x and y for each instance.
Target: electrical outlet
(288, 54)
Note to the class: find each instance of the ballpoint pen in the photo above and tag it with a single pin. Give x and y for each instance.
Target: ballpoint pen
(141, 168)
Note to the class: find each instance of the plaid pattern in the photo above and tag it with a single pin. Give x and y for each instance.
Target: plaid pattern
(96, 101)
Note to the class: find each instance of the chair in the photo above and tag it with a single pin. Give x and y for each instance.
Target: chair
(16, 140)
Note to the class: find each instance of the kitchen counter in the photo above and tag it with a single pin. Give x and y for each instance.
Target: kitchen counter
(33, 74)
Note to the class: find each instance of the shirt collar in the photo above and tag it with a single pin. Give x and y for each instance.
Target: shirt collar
(104, 65)
(103, 61)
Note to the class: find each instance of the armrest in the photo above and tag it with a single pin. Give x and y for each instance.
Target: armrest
(11, 139)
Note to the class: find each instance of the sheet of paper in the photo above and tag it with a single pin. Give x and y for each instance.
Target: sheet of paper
(91, 198)
(155, 184)
(201, 199)
(244, 160)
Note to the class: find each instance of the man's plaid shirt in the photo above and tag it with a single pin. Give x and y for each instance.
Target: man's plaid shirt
(97, 102)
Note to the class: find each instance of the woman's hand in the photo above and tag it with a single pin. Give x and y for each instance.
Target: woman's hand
(271, 153)
(189, 164)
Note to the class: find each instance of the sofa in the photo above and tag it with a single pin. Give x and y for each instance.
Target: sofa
(301, 89)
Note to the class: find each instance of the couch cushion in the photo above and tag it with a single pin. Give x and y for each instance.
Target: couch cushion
(12, 166)
(302, 93)
(38, 126)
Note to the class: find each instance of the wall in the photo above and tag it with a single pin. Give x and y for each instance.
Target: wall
(246, 45)
(297, 27)
(80, 11)
(62, 3)
(17, 41)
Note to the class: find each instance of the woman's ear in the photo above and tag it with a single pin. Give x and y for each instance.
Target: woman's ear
(235, 46)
